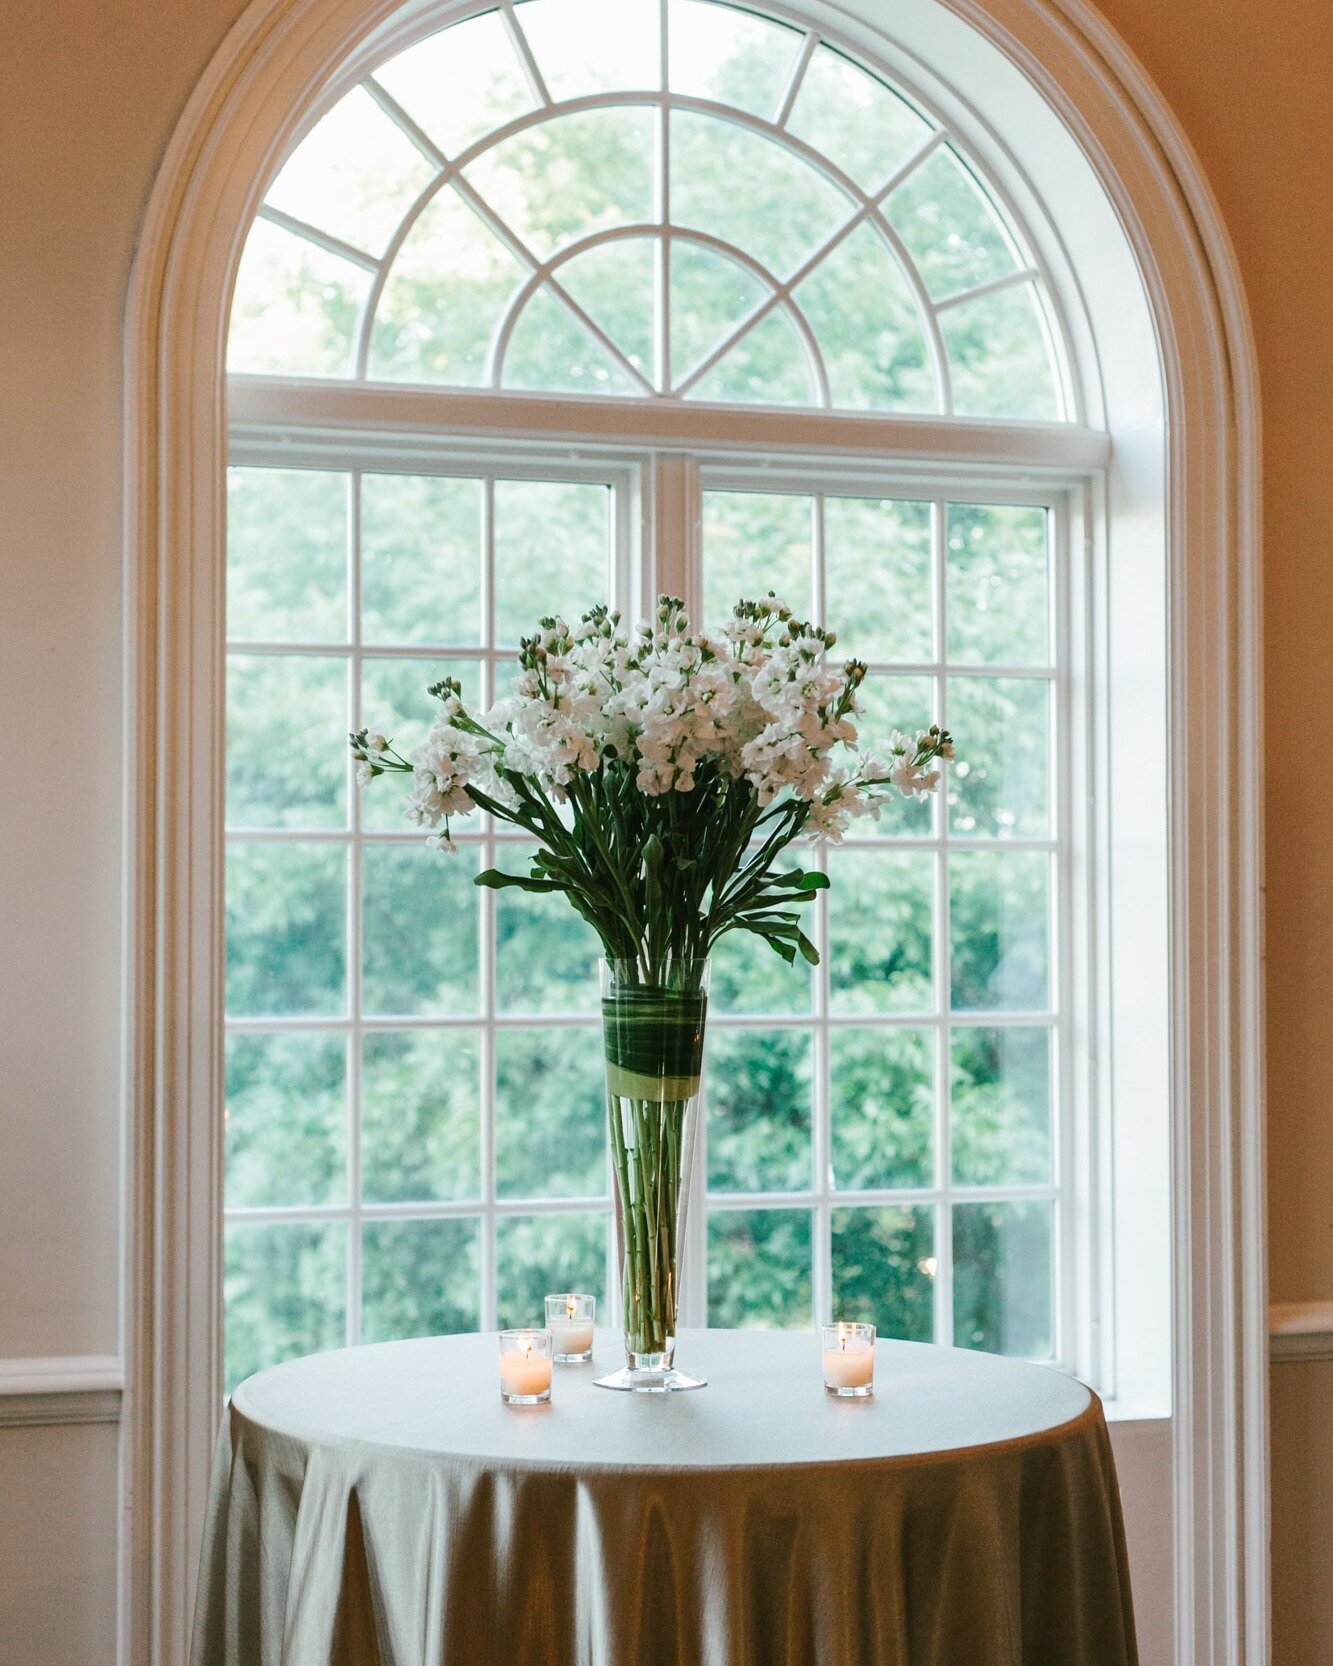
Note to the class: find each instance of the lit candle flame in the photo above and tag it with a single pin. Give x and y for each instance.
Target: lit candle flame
(842, 1338)
(571, 1306)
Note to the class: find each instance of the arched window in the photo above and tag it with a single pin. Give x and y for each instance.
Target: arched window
(685, 283)
(355, 498)
(698, 202)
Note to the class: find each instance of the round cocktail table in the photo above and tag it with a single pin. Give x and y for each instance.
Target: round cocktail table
(379, 1506)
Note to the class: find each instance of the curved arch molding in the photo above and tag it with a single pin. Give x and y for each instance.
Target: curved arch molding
(249, 103)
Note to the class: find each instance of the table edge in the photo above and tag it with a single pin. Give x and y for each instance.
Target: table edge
(1091, 1414)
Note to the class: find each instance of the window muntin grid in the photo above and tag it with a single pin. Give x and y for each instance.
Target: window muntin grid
(583, 234)
(445, 1090)
(372, 1029)
(944, 1223)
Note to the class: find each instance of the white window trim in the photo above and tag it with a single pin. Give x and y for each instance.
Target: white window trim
(250, 101)
(423, 437)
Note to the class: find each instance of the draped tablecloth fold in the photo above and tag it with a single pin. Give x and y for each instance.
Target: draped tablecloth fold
(379, 1507)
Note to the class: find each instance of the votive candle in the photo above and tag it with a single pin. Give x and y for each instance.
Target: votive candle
(525, 1367)
(570, 1318)
(849, 1360)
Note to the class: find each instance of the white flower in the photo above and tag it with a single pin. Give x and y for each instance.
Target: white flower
(442, 769)
(684, 710)
(911, 781)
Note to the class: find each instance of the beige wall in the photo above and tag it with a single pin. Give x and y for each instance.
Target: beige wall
(89, 91)
(1251, 85)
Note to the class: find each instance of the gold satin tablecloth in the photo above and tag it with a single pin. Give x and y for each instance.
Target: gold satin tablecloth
(379, 1506)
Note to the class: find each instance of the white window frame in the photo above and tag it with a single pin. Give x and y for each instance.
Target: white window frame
(656, 544)
(1082, 131)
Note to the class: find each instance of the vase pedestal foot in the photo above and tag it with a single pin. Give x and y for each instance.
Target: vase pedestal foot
(668, 1381)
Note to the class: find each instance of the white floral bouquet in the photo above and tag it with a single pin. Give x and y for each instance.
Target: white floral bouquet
(663, 772)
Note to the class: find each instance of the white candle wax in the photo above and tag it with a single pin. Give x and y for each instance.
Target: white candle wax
(572, 1338)
(852, 1366)
(524, 1374)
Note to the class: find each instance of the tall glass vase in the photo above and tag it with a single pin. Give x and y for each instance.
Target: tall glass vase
(653, 1034)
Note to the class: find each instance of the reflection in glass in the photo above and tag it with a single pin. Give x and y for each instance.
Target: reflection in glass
(759, 1094)
(420, 1116)
(1002, 1278)
(419, 1278)
(759, 1269)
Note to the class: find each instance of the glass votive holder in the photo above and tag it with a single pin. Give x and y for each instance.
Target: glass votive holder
(570, 1319)
(849, 1360)
(525, 1367)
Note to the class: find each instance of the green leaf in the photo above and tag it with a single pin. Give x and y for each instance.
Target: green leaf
(797, 881)
(494, 880)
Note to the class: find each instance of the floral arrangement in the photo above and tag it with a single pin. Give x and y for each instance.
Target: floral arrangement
(663, 772)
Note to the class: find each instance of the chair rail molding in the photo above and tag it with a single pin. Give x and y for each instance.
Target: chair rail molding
(1300, 1331)
(277, 61)
(79, 1388)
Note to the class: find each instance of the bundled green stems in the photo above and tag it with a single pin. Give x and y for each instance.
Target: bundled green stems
(654, 1058)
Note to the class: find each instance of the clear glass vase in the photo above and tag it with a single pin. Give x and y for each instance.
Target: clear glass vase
(653, 1037)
